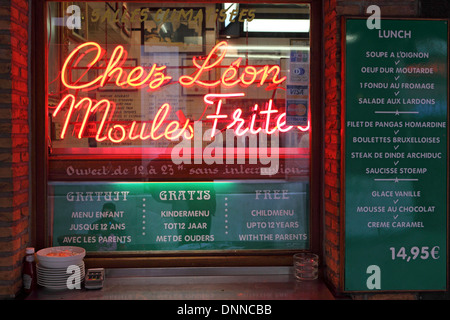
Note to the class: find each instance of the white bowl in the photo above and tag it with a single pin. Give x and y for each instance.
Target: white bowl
(77, 255)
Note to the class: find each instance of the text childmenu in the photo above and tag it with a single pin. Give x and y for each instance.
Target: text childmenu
(395, 140)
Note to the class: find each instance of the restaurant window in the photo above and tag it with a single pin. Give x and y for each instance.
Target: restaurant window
(178, 127)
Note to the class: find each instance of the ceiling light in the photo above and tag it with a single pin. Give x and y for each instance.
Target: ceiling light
(277, 25)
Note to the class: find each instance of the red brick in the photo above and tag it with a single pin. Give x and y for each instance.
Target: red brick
(332, 208)
(21, 4)
(14, 165)
(14, 13)
(19, 171)
(19, 57)
(19, 128)
(24, 156)
(20, 142)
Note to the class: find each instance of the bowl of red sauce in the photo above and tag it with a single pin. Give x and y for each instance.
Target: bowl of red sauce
(60, 257)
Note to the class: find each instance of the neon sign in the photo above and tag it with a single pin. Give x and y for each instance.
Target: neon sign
(265, 119)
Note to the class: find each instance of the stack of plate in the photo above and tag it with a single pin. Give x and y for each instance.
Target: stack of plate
(57, 265)
(56, 278)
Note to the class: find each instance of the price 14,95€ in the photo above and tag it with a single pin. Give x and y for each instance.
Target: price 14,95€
(414, 253)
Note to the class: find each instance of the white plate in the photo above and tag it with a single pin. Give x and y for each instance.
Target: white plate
(42, 269)
(57, 273)
(62, 275)
(59, 276)
(55, 287)
(62, 284)
(52, 283)
(56, 278)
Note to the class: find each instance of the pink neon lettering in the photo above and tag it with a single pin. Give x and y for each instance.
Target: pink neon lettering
(160, 127)
(155, 78)
(117, 133)
(263, 119)
(229, 77)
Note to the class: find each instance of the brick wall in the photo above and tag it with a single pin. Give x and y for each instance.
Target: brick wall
(14, 144)
(333, 10)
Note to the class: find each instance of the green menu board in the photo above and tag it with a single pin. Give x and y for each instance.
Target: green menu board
(135, 216)
(396, 105)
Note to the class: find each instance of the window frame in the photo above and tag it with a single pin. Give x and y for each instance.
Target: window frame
(40, 163)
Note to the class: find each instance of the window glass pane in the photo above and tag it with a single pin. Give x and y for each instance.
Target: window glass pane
(179, 121)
